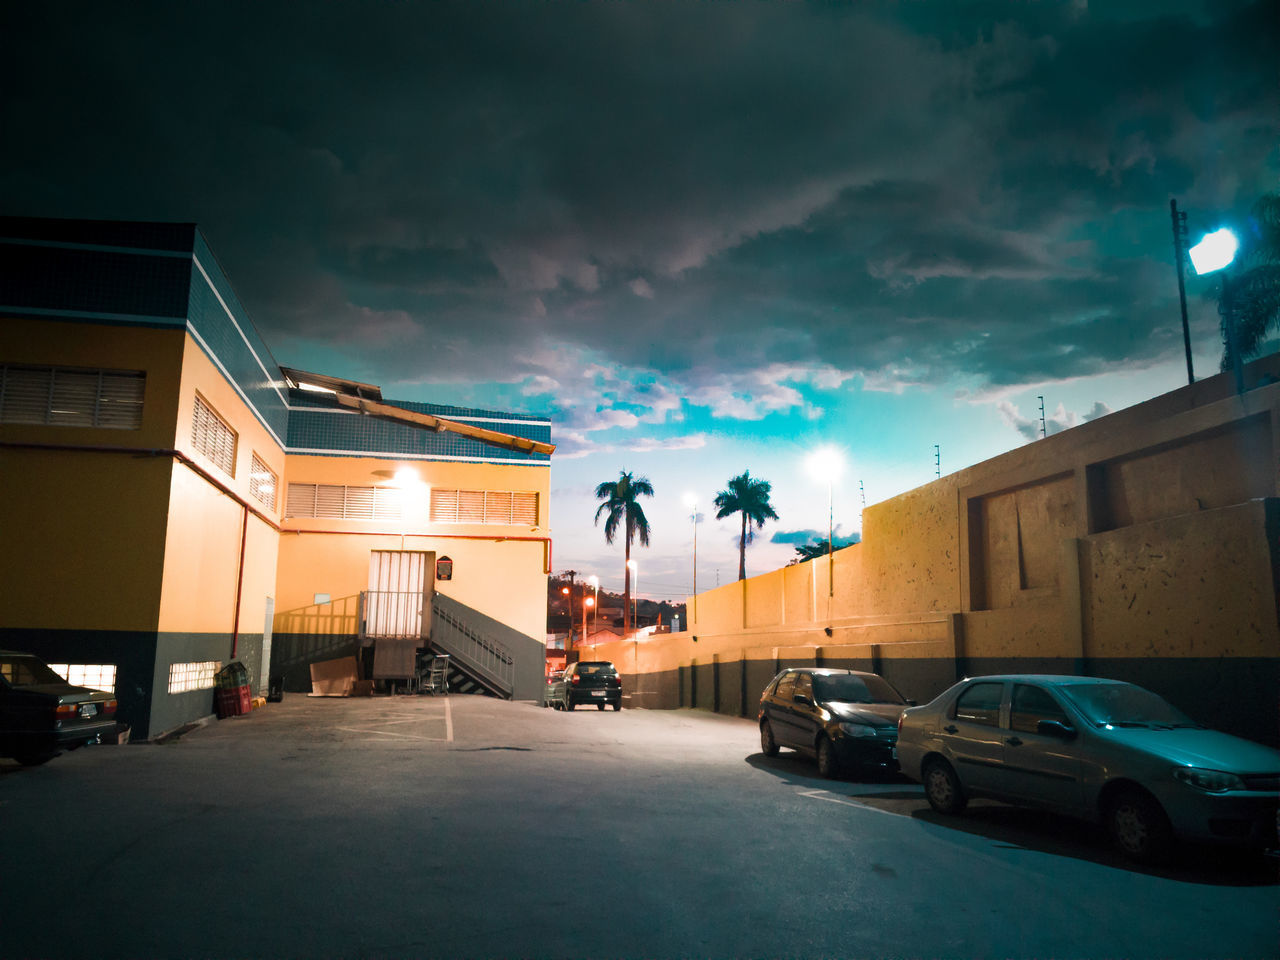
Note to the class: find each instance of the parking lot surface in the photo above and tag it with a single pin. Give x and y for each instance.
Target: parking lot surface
(470, 827)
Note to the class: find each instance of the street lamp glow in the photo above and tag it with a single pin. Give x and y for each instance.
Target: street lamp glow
(1214, 252)
(825, 464)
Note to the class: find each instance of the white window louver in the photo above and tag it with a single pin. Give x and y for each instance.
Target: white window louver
(212, 437)
(336, 502)
(70, 397)
(507, 507)
(262, 483)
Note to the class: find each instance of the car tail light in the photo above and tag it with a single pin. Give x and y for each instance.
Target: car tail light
(109, 708)
(575, 679)
(67, 711)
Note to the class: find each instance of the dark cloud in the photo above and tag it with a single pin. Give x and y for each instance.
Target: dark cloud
(961, 193)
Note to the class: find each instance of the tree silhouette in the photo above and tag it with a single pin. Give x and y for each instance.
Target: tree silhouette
(750, 497)
(1253, 300)
(620, 507)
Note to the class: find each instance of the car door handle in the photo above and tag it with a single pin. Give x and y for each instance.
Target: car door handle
(1013, 742)
(952, 728)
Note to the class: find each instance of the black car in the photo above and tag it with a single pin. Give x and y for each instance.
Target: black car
(41, 714)
(588, 681)
(845, 719)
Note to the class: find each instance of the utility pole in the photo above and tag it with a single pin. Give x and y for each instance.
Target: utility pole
(568, 641)
(1179, 218)
(1043, 431)
(937, 460)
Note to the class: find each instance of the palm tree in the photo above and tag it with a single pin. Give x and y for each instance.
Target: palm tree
(1254, 299)
(750, 497)
(621, 507)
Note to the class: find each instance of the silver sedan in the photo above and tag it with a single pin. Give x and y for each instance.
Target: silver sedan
(1098, 749)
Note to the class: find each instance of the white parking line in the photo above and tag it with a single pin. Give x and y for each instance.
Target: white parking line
(448, 721)
(843, 801)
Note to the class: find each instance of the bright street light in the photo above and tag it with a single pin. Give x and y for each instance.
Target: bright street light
(1214, 252)
(595, 585)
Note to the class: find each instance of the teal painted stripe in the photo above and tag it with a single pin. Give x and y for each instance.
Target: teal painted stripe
(140, 319)
(67, 245)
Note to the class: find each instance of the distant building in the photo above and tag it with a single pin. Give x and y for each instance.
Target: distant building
(174, 499)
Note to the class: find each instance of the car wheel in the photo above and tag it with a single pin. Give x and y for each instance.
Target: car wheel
(942, 788)
(600, 707)
(828, 765)
(1139, 826)
(34, 759)
(617, 705)
(568, 703)
(768, 745)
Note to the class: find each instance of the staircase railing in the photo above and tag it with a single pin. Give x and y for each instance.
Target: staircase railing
(471, 647)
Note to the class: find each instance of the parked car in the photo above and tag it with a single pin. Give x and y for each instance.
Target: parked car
(551, 692)
(1103, 750)
(41, 714)
(587, 681)
(844, 719)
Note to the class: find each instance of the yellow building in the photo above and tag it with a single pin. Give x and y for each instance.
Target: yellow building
(171, 499)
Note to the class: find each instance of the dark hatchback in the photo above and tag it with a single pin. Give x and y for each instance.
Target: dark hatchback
(587, 682)
(41, 714)
(844, 719)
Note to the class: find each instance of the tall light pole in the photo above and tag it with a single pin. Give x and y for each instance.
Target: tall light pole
(691, 501)
(586, 602)
(1215, 252)
(595, 612)
(635, 599)
(1179, 253)
(825, 464)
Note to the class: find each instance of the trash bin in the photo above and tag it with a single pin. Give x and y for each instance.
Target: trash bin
(275, 689)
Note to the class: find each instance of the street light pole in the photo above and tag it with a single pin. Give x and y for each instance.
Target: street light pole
(692, 503)
(1179, 257)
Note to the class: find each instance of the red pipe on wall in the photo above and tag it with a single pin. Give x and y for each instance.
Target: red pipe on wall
(235, 625)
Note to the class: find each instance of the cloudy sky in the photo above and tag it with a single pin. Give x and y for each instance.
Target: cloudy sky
(705, 238)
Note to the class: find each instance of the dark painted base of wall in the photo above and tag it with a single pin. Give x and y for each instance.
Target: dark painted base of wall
(142, 668)
(1234, 695)
(293, 653)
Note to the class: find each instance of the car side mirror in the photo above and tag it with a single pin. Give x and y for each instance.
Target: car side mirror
(1056, 728)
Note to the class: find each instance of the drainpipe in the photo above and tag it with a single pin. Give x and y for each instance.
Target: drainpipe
(235, 625)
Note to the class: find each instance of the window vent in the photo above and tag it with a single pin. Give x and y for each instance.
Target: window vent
(509, 507)
(336, 502)
(71, 397)
(262, 483)
(212, 437)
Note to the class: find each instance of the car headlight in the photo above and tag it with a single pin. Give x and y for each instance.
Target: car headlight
(1211, 781)
(858, 730)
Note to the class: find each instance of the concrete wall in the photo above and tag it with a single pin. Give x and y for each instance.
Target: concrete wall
(1141, 546)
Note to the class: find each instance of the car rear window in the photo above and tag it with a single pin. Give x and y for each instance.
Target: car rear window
(27, 671)
(603, 669)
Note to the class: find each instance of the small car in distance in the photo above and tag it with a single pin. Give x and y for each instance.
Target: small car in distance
(41, 714)
(587, 682)
(1097, 749)
(844, 719)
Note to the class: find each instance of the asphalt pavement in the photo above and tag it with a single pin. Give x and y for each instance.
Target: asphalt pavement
(463, 826)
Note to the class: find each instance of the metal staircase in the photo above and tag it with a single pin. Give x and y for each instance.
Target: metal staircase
(478, 661)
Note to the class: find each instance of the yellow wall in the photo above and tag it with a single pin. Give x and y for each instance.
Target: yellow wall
(1141, 536)
(83, 532)
(202, 562)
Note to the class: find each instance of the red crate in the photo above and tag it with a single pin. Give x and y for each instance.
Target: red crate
(232, 702)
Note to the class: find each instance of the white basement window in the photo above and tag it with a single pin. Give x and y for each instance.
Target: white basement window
(262, 483)
(185, 677)
(95, 676)
(333, 501)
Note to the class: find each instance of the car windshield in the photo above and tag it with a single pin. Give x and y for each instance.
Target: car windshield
(851, 688)
(23, 671)
(1124, 705)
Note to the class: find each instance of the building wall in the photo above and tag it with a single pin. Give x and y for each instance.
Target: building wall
(1140, 546)
(82, 510)
(498, 570)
